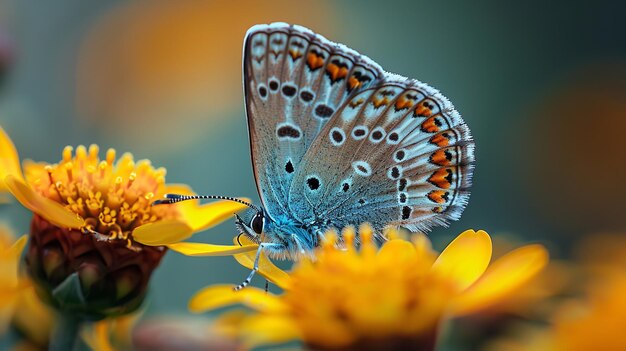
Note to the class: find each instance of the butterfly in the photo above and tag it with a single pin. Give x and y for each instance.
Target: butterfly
(337, 141)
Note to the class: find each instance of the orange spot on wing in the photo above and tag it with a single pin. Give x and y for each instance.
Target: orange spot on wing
(441, 140)
(295, 54)
(439, 196)
(422, 111)
(353, 83)
(403, 103)
(442, 178)
(314, 61)
(380, 102)
(442, 157)
(335, 72)
(431, 125)
(356, 103)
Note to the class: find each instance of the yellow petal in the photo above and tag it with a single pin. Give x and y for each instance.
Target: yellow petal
(397, 250)
(201, 249)
(51, 210)
(18, 246)
(267, 329)
(423, 247)
(217, 296)
(206, 216)
(465, 259)
(10, 280)
(266, 268)
(163, 232)
(98, 336)
(30, 309)
(421, 242)
(229, 323)
(200, 217)
(504, 276)
(9, 160)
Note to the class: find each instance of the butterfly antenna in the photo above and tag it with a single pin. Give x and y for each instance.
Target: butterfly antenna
(174, 198)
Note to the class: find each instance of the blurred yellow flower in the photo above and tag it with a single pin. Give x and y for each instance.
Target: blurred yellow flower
(19, 304)
(94, 225)
(593, 321)
(143, 62)
(111, 334)
(11, 283)
(392, 298)
(532, 299)
(34, 319)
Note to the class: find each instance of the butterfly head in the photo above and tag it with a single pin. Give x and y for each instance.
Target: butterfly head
(290, 240)
(252, 224)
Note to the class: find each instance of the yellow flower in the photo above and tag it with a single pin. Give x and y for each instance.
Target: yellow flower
(114, 199)
(94, 229)
(391, 298)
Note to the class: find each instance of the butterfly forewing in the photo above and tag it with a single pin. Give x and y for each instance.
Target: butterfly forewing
(294, 83)
(395, 153)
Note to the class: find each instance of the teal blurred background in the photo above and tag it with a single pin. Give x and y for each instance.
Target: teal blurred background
(541, 85)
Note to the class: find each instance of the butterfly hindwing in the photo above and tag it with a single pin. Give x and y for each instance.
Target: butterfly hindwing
(294, 82)
(396, 153)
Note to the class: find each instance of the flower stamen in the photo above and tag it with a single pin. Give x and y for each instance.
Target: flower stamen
(113, 197)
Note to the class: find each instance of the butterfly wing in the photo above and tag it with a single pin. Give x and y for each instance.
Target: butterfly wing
(396, 153)
(294, 80)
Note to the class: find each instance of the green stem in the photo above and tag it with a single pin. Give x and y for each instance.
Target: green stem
(66, 332)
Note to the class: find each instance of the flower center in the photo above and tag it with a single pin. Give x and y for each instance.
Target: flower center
(389, 290)
(113, 197)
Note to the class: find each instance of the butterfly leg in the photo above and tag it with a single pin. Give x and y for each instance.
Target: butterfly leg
(255, 267)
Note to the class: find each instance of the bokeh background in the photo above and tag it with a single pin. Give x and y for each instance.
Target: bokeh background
(542, 86)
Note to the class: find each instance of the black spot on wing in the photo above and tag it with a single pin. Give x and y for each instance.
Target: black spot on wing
(313, 183)
(273, 85)
(406, 212)
(306, 96)
(289, 167)
(402, 183)
(395, 172)
(400, 155)
(337, 137)
(289, 90)
(323, 111)
(288, 132)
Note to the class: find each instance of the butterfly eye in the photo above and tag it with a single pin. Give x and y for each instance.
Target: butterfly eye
(257, 223)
